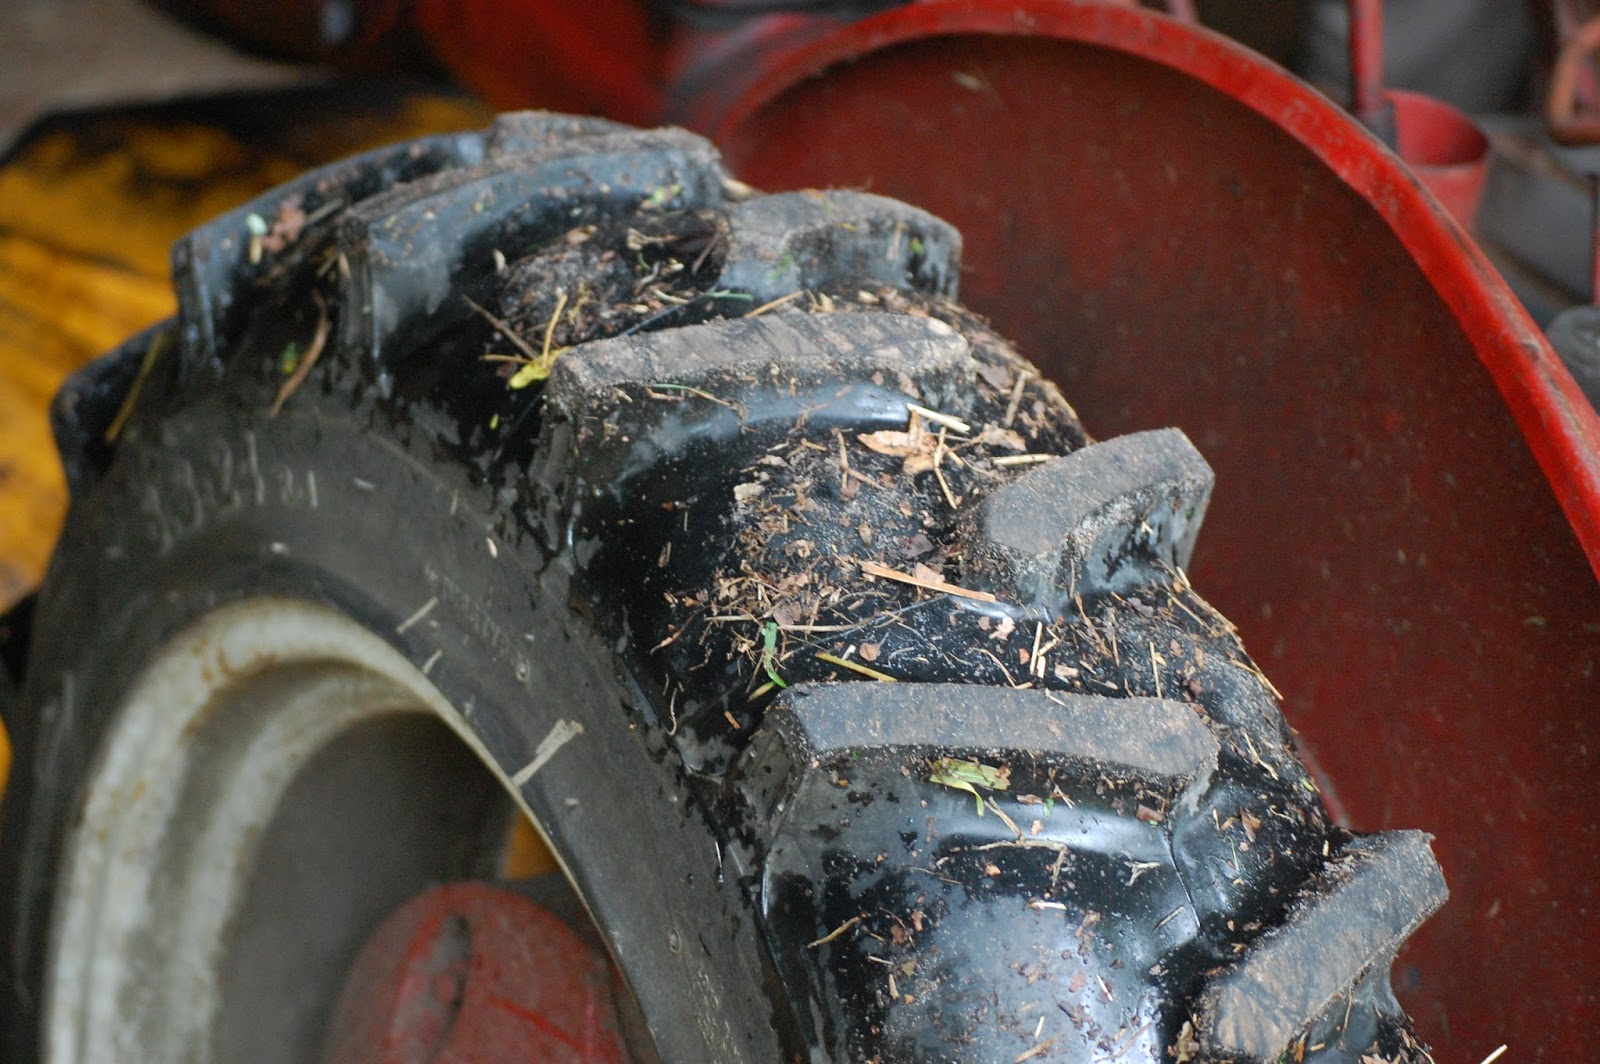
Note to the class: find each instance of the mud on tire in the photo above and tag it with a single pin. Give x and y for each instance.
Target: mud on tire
(863, 697)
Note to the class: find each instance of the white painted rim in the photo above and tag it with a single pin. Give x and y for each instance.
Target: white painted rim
(227, 712)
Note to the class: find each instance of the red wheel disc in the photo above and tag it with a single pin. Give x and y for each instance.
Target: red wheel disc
(470, 972)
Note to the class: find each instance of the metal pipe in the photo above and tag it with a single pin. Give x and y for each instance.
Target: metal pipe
(1367, 100)
(1565, 116)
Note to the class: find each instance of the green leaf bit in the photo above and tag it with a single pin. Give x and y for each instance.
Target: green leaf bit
(962, 775)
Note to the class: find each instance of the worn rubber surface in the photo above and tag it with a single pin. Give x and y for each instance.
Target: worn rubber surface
(741, 463)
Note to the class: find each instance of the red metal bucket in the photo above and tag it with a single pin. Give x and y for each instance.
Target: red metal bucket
(1444, 148)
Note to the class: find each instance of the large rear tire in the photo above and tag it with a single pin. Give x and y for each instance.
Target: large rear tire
(748, 463)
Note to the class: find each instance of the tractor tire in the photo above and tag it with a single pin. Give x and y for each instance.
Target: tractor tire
(861, 696)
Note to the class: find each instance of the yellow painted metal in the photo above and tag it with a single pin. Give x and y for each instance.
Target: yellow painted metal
(526, 854)
(89, 207)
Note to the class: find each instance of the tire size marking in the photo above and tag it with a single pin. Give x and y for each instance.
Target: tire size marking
(455, 598)
(180, 495)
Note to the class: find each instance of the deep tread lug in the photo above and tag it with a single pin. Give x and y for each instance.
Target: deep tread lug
(217, 284)
(606, 433)
(1151, 739)
(829, 753)
(1353, 921)
(804, 349)
(802, 240)
(415, 251)
(522, 132)
(1096, 520)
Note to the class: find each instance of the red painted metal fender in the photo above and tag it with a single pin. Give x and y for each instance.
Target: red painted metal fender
(1407, 517)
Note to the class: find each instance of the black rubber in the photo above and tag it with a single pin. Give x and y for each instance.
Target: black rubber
(773, 468)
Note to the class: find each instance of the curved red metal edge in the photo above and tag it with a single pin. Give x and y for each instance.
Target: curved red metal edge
(1561, 428)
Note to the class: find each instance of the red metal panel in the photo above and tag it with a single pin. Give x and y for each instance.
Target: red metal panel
(598, 56)
(470, 973)
(1181, 233)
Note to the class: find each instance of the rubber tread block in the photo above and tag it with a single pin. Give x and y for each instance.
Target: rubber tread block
(1150, 738)
(215, 279)
(807, 349)
(1368, 902)
(1094, 520)
(414, 252)
(521, 132)
(801, 240)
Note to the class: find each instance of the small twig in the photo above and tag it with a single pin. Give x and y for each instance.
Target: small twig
(1010, 679)
(1255, 754)
(853, 666)
(994, 807)
(550, 329)
(835, 933)
(1179, 603)
(954, 423)
(505, 330)
(701, 393)
(1022, 843)
(776, 303)
(1253, 667)
(302, 369)
(1021, 459)
(667, 297)
(1132, 1038)
(938, 472)
(1016, 399)
(705, 252)
(1496, 1055)
(874, 569)
(1094, 633)
(157, 347)
(728, 618)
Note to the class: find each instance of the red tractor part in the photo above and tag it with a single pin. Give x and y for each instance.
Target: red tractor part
(1407, 517)
(600, 56)
(474, 973)
(1444, 148)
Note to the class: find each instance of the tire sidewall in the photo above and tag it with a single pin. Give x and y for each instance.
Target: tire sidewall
(213, 507)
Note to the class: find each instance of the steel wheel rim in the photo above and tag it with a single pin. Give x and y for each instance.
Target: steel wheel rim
(210, 747)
